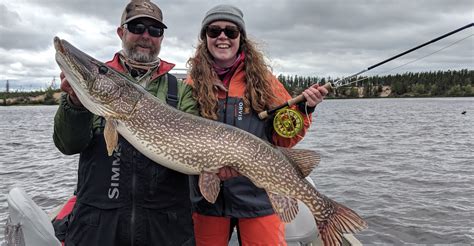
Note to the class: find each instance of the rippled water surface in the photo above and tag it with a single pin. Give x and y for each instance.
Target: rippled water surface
(405, 165)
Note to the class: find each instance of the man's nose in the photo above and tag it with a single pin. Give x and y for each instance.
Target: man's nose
(145, 33)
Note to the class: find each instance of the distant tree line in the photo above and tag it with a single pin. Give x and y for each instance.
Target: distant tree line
(422, 84)
(24, 97)
(458, 83)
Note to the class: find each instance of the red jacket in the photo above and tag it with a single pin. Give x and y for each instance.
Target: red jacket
(237, 87)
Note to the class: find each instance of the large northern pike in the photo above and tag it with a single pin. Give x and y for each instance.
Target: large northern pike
(198, 146)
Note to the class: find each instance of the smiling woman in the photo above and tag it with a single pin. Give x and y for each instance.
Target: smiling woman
(223, 43)
(232, 84)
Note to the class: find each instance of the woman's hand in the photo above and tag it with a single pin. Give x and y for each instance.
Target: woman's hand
(314, 95)
(226, 173)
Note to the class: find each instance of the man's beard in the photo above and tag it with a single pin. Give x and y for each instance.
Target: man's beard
(132, 52)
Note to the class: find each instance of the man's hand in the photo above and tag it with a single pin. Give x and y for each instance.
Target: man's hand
(314, 95)
(66, 87)
(226, 173)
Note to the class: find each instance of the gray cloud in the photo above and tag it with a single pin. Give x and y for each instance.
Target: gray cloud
(8, 18)
(306, 37)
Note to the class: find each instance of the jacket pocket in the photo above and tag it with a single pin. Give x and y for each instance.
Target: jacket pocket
(83, 224)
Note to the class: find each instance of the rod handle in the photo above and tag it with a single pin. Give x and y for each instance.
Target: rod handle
(264, 114)
(301, 98)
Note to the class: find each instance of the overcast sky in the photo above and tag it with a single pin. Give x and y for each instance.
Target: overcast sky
(304, 37)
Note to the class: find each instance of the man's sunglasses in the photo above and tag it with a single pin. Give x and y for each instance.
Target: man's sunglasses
(231, 32)
(139, 28)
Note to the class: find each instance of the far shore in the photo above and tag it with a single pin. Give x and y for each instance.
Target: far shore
(40, 99)
(31, 100)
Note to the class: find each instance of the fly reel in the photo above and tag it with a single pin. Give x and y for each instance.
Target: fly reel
(288, 122)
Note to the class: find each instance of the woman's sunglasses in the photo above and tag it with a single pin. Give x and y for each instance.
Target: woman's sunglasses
(231, 32)
(139, 28)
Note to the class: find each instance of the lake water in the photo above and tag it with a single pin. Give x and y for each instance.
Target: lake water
(405, 165)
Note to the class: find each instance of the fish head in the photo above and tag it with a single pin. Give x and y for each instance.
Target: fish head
(102, 90)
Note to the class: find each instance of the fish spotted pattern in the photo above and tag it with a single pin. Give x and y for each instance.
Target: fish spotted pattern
(198, 146)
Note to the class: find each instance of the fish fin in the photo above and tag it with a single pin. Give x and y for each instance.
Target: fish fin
(286, 207)
(209, 185)
(111, 135)
(339, 220)
(305, 160)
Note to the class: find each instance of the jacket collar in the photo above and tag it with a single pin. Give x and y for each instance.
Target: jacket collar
(164, 67)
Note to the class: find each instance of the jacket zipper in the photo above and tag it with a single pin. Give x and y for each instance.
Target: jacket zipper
(132, 217)
(225, 122)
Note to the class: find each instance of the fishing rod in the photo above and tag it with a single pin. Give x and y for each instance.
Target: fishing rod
(346, 81)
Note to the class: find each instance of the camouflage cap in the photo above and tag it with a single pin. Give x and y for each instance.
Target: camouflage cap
(142, 8)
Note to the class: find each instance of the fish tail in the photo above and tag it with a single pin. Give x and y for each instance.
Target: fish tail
(341, 220)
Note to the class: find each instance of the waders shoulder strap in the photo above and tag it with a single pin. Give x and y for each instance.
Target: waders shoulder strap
(172, 97)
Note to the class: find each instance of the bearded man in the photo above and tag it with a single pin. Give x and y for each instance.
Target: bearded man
(125, 199)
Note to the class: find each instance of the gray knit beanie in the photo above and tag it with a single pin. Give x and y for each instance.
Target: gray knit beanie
(224, 12)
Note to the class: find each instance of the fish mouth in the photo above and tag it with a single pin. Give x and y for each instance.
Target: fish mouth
(79, 70)
(60, 53)
(99, 88)
(58, 45)
(74, 58)
(75, 64)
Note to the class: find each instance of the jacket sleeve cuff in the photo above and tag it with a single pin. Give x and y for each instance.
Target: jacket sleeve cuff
(305, 109)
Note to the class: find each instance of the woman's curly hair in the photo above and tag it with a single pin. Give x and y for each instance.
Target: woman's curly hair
(258, 93)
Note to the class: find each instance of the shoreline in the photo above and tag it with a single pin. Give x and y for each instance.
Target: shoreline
(40, 99)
